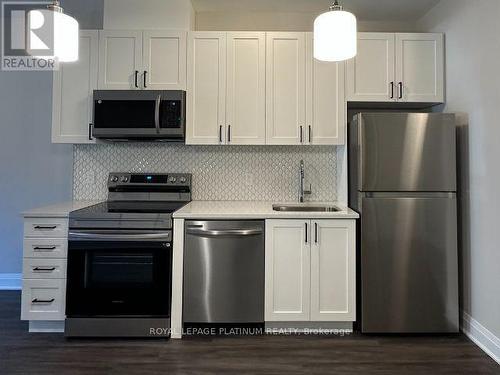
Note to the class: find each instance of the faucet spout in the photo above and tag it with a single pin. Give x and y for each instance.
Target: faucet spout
(302, 191)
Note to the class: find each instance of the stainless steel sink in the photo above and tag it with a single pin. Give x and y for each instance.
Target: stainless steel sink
(304, 208)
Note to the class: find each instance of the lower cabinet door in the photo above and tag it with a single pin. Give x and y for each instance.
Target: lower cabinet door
(43, 299)
(333, 270)
(287, 277)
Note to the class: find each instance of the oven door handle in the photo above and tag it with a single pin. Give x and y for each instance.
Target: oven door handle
(117, 236)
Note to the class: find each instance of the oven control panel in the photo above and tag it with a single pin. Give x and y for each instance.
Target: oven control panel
(152, 179)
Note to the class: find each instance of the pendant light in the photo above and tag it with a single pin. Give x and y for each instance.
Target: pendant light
(65, 30)
(335, 34)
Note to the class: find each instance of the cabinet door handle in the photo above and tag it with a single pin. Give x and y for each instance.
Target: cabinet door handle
(44, 269)
(45, 227)
(135, 79)
(220, 134)
(44, 248)
(392, 90)
(301, 135)
(310, 133)
(144, 77)
(306, 233)
(400, 90)
(316, 233)
(90, 132)
(36, 300)
(228, 133)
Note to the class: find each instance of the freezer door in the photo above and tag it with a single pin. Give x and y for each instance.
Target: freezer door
(409, 270)
(406, 152)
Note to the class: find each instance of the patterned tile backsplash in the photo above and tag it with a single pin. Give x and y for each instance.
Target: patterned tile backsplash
(219, 172)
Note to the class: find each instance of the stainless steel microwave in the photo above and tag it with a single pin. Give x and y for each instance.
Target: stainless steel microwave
(148, 115)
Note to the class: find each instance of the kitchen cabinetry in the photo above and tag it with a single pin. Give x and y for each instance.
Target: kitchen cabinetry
(226, 88)
(73, 86)
(135, 59)
(397, 67)
(44, 269)
(310, 270)
(286, 88)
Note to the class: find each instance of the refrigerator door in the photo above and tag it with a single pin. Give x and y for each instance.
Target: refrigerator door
(409, 270)
(406, 152)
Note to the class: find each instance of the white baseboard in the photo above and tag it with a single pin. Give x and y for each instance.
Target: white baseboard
(11, 281)
(481, 336)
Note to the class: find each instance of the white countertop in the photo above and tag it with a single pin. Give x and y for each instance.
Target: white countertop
(58, 209)
(256, 210)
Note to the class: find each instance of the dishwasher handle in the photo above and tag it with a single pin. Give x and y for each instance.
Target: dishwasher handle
(196, 231)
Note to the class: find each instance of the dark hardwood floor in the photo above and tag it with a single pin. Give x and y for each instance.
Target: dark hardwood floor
(44, 353)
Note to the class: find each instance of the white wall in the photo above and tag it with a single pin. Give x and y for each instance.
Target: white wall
(280, 21)
(473, 85)
(148, 14)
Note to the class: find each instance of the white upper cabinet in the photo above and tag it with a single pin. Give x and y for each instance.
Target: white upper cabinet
(246, 88)
(333, 278)
(285, 88)
(164, 60)
(325, 100)
(120, 59)
(370, 75)
(401, 67)
(206, 88)
(287, 281)
(135, 59)
(420, 67)
(73, 86)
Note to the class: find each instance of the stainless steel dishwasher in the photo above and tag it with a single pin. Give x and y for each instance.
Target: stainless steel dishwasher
(224, 272)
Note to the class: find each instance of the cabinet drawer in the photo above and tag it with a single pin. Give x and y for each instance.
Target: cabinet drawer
(39, 268)
(43, 299)
(45, 248)
(46, 227)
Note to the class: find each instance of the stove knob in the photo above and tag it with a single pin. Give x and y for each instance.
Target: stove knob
(124, 179)
(172, 179)
(182, 180)
(114, 178)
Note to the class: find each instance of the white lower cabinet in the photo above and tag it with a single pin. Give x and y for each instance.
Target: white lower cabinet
(310, 270)
(44, 269)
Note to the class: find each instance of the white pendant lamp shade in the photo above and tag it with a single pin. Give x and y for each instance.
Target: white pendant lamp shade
(335, 35)
(65, 31)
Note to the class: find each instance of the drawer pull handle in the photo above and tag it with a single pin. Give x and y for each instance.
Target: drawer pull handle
(42, 301)
(44, 248)
(44, 269)
(46, 227)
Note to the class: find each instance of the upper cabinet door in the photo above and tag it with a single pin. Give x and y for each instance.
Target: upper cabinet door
(420, 67)
(370, 75)
(333, 268)
(246, 88)
(285, 88)
(73, 87)
(120, 59)
(206, 88)
(287, 281)
(164, 60)
(325, 98)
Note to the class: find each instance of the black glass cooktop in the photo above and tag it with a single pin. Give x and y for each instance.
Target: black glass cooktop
(132, 207)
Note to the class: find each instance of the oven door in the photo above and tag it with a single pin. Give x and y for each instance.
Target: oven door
(120, 274)
(131, 114)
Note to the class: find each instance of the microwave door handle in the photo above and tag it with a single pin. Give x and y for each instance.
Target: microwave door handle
(157, 113)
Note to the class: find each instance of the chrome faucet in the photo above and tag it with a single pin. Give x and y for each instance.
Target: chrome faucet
(302, 191)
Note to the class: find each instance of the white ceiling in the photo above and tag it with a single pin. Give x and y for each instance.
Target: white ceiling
(370, 10)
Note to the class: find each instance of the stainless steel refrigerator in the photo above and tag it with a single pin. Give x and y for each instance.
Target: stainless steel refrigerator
(402, 176)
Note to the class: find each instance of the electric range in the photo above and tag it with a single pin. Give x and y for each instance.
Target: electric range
(119, 270)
